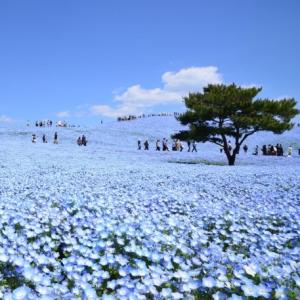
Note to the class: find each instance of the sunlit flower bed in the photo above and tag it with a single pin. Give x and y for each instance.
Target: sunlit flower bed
(111, 230)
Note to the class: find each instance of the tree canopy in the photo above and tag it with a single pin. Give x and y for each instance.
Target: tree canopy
(224, 112)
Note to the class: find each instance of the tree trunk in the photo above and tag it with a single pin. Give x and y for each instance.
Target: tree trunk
(231, 160)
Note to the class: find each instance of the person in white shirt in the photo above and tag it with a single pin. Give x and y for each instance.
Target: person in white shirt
(290, 151)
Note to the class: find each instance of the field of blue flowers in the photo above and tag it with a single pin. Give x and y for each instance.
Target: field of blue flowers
(107, 221)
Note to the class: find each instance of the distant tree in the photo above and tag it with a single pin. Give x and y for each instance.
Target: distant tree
(228, 112)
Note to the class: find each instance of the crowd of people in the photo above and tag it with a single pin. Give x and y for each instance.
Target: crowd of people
(44, 123)
(50, 123)
(81, 141)
(177, 145)
(266, 149)
(44, 138)
(163, 145)
(134, 117)
(272, 150)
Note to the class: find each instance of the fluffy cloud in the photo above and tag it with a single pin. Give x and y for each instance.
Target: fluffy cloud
(5, 119)
(191, 79)
(135, 99)
(147, 97)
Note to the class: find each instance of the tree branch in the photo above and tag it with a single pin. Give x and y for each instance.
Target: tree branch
(246, 135)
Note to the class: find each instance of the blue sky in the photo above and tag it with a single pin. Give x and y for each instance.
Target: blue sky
(87, 60)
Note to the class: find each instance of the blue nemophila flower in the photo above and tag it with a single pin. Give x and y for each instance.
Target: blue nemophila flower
(44, 290)
(250, 290)
(219, 296)
(147, 233)
(29, 273)
(281, 293)
(263, 291)
(21, 293)
(123, 291)
(3, 257)
(251, 269)
(208, 282)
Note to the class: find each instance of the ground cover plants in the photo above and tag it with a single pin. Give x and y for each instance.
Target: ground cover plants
(118, 227)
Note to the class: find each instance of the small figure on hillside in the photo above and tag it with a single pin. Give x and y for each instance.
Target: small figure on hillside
(174, 146)
(280, 150)
(34, 138)
(290, 149)
(189, 145)
(157, 145)
(255, 150)
(194, 147)
(146, 145)
(165, 145)
(245, 148)
(139, 145)
(55, 138)
(79, 141)
(83, 140)
(180, 146)
(44, 139)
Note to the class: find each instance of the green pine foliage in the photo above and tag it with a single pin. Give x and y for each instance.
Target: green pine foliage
(229, 112)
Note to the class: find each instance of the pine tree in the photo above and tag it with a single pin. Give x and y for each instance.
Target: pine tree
(224, 112)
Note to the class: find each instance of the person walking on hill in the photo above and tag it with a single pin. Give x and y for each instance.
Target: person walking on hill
(174, 146)
(157, 145)
(146, 145)
(194, 147)
(55, 138)
(189, 145)
(139, 145)
(255, 150)
(177, 145)
(83, 140)
(245, 148)
(180, 146)
(79, 141)
(165, 145)
(44, 139)
(34, 138)
(290, 149)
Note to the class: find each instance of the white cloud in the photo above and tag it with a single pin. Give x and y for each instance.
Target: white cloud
(63, 114)
(136, 99)
(191, 79)
(5, 119)
(147, 97)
